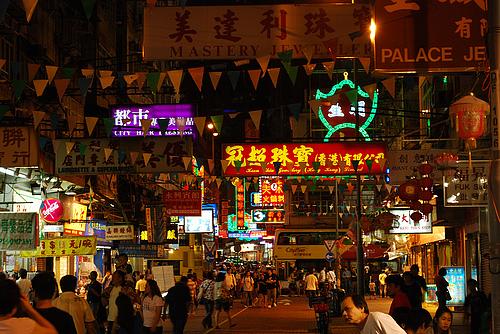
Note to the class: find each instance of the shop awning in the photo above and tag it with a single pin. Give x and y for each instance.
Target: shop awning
(371, 252)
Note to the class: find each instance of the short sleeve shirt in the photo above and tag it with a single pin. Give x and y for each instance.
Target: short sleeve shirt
(381, 323)
(77, 307)
(18, 326)
(148, 309)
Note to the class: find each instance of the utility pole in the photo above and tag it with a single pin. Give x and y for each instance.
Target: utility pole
(494, 177)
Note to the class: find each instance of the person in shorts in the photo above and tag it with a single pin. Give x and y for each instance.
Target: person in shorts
(222, 297)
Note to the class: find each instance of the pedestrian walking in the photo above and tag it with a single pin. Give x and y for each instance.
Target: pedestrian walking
(248, 289)
(419, 321)
(94, 298)
(271, 287)
(178, 299)
(24, 283)
(442, 293)
(381, 278)
(477, 307)
(222, 297)
(44, 287)
(206, 298)
(12, 301)
(126, 321)
(312, 286)
(152, 305)
(356, 312)
(442, 321)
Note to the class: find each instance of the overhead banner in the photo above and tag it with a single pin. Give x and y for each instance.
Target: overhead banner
(165, 120)
(182, 202)
(64, 247)
(90, 156)
(304, 159)
(120, 232)
(467, 187)
(18, 231)
(406, 38)
(18, 147)
(228, 32)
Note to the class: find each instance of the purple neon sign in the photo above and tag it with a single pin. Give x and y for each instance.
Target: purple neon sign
(127, 119)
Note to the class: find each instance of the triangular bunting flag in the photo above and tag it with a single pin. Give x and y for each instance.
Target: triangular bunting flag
(381, 163)
(40, 86)
(108, 125)
(390, 86)
(141, 79)
(224, 164)
(365, 62)
(263, 165)
(285, 57)
(51, 72)
(294, 188)
(88, 72)
(234, 76)
(355, 164)
(274, 74)
(69, 146)
(186, 161)
(302, 166)
(255, 116)
(277, 166)
(292, 73)
(211, 164)
(32, 71)
(316, 165)
(129, 79)
(145, 125)
(175, 77)
(68, 72)
(254, 77)
(379, 186)
(303, 188)
(330, 189)
(329, 66)
(309, 68)
(199, 122)
(369, 164)
(388, 187)
(314, 105)
(105, 73)
(133, 157)
(88, 7)
(219, 181)
(91, 123)
(84, 84)
(237, 165)
(217, 121)
(308, 52)
(197, 76)
(146, 156)
(29, 8)
(107, 153)
(61, 86)
(37, 117)
(19, 86)
(233, 115)
(370, 89)
(295, 109)
(152, 79)
(263, 63)
(214, 78)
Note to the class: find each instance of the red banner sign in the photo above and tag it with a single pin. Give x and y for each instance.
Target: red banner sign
(423, 35)
(304, 159)
(182, 202)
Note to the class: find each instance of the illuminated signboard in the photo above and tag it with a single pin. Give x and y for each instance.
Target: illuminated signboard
(271, 191)
(166, 120)
(338, 113)
(304, 159)
(268, 216)
(456, 278)
(403, 224)
(240, 205)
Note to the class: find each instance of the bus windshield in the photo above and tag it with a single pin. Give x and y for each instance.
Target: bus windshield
(305, 237)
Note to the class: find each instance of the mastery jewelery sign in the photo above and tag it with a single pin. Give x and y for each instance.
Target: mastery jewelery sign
(304, 159)
(228, 32)
(18, 231)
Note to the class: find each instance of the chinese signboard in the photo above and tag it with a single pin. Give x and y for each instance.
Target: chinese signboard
(407, 38)
(165, 120)
(88, 156)
(78, 223)
(468, 186)
(120, 232)
(268, 216)
(403, 224)
(240, 205)
(172, 235)
(227, 32)
(182, 202)
(17, 231)
(18, 147)
(51, 210)
(456, 278)
(404, 164)
(271, 191)
(64, 247)
(157, 220)
(304, 159)
(145, 251)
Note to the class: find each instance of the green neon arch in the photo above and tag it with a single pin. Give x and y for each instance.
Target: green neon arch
(348, 125)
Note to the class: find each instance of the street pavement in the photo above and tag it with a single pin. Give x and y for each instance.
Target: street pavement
(292, 315)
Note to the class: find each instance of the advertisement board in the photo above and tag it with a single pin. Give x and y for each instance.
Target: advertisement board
(165, 120)
(18, 147)
(18, 231)
(304, 159)
(456, 278)
(64, 247)
(203, 224)
(182, 202)
(467, 187)
(403, 224)
(120, 232)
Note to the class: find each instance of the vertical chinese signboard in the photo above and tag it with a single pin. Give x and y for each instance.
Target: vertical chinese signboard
(182, 202)
(18, 231)
(18, 147)
(157, 220)
(240, 205)
(430, 35)
(271, 191)
(226, 32)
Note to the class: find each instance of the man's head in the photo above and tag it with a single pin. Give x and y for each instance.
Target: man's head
(10, 297)
(414, 269)
(44, 285)
(118, 278)
(354, 309)
(141, 276)
(23, 273)
(394, 284)
(183, 280)
(68, 283)
(93, 275)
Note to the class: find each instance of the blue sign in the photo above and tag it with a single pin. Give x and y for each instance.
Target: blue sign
(209, 257)
(456, 278)
(329, 257)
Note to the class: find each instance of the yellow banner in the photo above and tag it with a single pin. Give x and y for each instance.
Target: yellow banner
(64, 247)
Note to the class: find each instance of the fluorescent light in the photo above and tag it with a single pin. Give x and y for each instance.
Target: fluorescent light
(11, 172)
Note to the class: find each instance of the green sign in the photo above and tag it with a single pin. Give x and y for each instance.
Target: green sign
(17, 231)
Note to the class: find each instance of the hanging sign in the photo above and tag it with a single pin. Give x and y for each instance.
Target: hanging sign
(459, 45)
(467, 187)
(228, 32)
(271, 191)
(316, 158)
(120, 232)
(165, 119)
(240, 205)
(403, 165)
(182, 202)
(51, 210)
(268, 216)
(64, 247)
(172, 235)
(18, 231)
(18, 147)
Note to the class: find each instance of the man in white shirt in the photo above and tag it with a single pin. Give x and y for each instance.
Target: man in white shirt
(331, 279)
(355, 311)
(24, 283)
(311, 283)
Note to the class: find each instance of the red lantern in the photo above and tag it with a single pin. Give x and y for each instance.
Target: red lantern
(415, 205)
(425, 195)
(425, 182)
(426, 208)
(409, 190)
(469, 114)
(416, 216)
(425, 169)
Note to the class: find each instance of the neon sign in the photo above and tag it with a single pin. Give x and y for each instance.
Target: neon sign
(271, 191)
(336, 119)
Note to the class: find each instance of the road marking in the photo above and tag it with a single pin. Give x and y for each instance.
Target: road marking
(232, 317)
